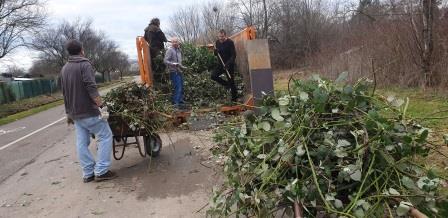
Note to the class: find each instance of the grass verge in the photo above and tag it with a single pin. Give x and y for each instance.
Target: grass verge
(23, 114)
(27, 107)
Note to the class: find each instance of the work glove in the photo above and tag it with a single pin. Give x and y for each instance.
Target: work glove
(104, 113)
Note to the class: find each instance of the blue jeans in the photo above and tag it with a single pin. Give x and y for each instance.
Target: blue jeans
(84, 128)
(178, 86)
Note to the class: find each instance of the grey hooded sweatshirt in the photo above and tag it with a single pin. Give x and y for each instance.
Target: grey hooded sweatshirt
(79, 88)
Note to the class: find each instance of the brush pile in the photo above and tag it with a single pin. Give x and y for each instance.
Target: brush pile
(199, 89)
(140, 107)
(331, 149)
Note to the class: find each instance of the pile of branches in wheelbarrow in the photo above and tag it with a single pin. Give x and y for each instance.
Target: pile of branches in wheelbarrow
(140, 107)
(328, 149)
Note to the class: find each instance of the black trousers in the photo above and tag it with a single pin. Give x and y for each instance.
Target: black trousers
(229, 83)
(153, 53)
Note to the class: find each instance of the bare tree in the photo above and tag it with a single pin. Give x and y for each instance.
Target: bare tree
(102, 52)
(123, 65)
(186, 24)
(44, 68)
(19, 18)
(217, 15)
(428, 7)
(15, 70)
(256, 13)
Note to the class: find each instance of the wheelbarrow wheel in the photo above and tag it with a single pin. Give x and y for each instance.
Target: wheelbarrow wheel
(118, 154)
(153, 145)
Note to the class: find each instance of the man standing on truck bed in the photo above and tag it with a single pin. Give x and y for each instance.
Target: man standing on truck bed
(155, 37)
(225, 51)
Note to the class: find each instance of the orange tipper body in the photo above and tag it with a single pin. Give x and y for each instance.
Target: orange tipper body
(144, 61)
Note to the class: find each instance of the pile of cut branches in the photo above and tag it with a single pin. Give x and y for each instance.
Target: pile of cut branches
(199, 89)
(139, 106)
(329, 149)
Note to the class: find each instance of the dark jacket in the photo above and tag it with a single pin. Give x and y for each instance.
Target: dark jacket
(79, 88)
(227, 51)
(154, 36)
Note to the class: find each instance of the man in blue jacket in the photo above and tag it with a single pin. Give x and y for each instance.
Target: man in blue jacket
(82, 102)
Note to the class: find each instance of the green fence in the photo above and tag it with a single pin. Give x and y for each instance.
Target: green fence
(17, 90)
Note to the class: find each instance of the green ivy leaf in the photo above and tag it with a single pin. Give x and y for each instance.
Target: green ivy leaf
(423, 135)
(343, 143)
(284, 101)
(275, 113)
(265, 126)
(359, 213)
(408, 182)
(246, 153)
(341, 153)
(393, 191)
(338, 203)
(356, 175)
(300, 151)
(303, 96)
(403, 208)
(262, 156)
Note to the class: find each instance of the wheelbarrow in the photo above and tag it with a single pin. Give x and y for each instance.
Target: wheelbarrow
(122, 132)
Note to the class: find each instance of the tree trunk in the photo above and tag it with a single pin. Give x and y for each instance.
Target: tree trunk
(265, 29)
(428, 15)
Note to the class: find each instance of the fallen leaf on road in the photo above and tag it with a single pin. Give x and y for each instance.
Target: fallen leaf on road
(194, 171)
(97, 213)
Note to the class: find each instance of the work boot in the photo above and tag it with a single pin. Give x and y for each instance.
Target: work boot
(107, 176)
(88, 179)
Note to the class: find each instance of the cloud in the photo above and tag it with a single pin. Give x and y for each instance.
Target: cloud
(122, 21)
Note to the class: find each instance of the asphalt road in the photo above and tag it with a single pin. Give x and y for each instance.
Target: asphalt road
(22, 141)
(40, 174)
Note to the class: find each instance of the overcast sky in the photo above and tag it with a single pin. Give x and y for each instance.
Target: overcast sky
(121, 20)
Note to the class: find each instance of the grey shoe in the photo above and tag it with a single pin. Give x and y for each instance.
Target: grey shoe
(107, 176)
(88, 179)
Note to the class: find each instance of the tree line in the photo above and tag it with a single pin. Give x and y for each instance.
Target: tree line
(399, 42)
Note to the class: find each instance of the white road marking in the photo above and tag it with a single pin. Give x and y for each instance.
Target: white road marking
(24, 137)
(3, 132)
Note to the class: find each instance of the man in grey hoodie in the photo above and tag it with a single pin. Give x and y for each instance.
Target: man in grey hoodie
(82, 102)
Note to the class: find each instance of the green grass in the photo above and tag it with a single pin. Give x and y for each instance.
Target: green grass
(23, 114)
(27, 107)
(429, 107)
(29, 103)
